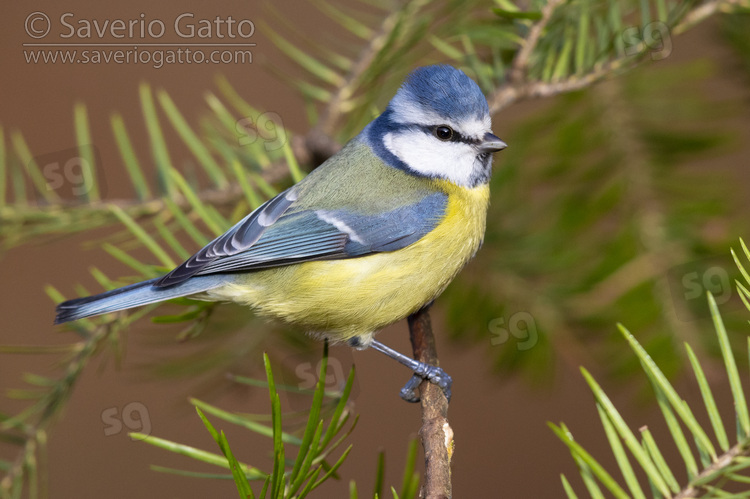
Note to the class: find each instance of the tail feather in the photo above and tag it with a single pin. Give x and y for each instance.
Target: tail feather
(133, 295)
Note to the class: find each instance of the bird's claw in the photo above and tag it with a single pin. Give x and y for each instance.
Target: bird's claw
(433, 374)
(409, 391)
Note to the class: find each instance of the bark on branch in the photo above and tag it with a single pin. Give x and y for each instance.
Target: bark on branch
(436, 433)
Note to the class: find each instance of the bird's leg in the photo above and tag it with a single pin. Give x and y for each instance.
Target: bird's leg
(433, 374)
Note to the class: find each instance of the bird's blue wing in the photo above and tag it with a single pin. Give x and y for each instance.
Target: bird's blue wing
(239, 238)
(277, 234)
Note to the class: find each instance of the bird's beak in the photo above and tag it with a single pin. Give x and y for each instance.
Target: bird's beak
(491, 143)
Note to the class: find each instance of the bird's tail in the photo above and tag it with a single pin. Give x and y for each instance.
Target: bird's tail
(134, 295)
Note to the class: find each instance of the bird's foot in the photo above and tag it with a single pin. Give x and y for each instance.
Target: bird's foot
(433, 374)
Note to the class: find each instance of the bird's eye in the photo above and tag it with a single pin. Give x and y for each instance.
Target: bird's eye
(444, 132)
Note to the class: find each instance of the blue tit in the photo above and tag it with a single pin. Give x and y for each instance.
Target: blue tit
(369, 237)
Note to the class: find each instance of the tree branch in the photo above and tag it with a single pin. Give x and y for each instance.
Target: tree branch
(512, 92)
(519, 69)
(722, 462)
(436, 433)
(336, 105)
(517, 87)
(23, 222)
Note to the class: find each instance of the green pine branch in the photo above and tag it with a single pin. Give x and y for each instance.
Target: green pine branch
(326, 429)
(716, 468)
(233, 149)
(549, 49)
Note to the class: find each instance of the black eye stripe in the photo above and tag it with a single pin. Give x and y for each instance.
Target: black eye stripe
(457, 136)
(430, 130)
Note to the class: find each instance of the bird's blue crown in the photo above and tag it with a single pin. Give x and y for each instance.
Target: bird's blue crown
(435, 98)
(444, 90)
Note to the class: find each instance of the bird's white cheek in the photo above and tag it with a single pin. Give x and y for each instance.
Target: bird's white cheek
(426, 155)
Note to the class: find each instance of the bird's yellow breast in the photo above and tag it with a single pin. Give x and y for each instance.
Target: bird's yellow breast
(356, 297)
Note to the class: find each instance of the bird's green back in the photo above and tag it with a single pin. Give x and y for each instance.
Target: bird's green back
(371, 188)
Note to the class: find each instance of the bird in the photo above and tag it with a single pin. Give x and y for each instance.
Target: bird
(371, 236)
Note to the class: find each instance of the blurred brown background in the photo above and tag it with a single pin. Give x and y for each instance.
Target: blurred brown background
(503, 446)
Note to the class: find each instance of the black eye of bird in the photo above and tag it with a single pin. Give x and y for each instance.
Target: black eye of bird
(444, 132)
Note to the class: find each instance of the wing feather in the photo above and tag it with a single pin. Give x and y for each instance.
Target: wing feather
(236, 240)
(279, 233)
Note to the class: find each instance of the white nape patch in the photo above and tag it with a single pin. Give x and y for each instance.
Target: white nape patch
(408, 112)
(429, 156)
(330, 218)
